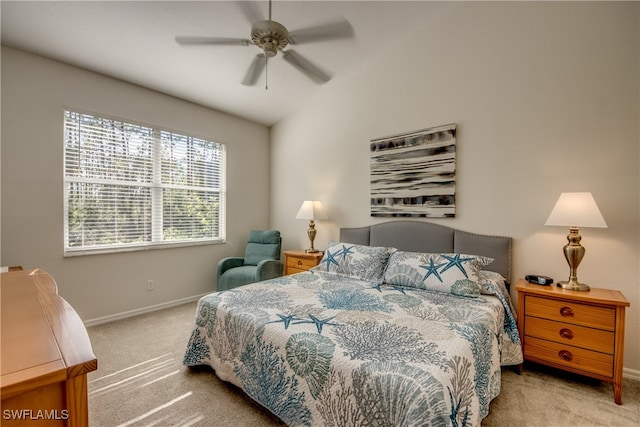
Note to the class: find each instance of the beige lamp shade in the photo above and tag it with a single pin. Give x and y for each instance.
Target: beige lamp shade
(576, 210)
(311, 210)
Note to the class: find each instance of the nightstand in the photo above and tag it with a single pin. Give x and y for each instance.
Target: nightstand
(580, 332)
(299, 261)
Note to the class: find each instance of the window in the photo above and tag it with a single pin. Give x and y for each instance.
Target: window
(130, 186)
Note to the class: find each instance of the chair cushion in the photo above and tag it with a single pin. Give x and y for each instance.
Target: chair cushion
(237, 277)
(262, 245)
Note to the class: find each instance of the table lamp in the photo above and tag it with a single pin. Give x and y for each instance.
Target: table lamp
(311, 210)
(575, 210)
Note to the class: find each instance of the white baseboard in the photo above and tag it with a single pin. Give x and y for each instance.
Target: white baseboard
(631, 374)
(138, 311)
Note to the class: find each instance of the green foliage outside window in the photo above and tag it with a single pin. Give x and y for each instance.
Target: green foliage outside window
(133, 185)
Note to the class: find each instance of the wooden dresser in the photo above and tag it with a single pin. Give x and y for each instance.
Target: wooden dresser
(46, 354)
(299, 261)
(581, 332)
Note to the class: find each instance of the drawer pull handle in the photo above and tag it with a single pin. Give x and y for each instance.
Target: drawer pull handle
(566, 312)
(566, 333)
(299, 263)
(565, 355)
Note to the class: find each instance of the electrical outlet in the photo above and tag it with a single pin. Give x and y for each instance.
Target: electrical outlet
(150, 285)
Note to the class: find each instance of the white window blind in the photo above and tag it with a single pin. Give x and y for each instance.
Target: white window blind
(130, 186)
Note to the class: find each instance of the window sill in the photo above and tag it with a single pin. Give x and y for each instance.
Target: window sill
(137, 248)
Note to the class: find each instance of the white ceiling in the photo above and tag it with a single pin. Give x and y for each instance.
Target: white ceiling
(135, 41)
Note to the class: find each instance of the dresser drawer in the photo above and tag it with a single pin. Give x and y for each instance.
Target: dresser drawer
(568, 334)
(569, 312)
(569, 356)
(301, 263)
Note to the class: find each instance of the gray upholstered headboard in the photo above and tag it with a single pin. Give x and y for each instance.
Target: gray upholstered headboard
(416, 236)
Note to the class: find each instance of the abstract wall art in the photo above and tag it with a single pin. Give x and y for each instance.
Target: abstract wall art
(413, 175)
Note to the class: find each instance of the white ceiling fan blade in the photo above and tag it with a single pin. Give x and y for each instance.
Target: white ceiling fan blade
(305, 66)
(222, 41)
(251, 11)
(330, 31)
(255, 70)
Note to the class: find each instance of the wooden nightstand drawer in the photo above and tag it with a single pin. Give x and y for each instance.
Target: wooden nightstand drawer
(572, 357)
(293, 270)
(568, 334)
(301, 263)
(570, 312)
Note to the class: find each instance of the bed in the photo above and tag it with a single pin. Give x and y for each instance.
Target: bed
(403, 323)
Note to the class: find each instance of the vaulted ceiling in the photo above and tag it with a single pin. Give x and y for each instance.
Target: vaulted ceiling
(135, 41)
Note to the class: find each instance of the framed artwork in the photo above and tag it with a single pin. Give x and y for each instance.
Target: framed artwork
(414, 174)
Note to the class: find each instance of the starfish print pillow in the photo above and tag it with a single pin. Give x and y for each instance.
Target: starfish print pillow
(453, 273)
(358, 261)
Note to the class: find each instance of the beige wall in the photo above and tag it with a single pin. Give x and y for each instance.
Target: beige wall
(546, 98)
(34, 92)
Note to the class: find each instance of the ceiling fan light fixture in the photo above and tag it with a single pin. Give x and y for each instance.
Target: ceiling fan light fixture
(269, 47)
(270, 36)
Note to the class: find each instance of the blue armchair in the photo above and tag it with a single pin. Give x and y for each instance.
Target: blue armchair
(261, 261)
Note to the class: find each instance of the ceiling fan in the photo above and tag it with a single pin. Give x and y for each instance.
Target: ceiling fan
(271, 36)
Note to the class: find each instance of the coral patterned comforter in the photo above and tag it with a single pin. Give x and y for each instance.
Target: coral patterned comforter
(322, 349)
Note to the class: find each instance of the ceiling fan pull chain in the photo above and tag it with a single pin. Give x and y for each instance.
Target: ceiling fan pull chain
(266, 73)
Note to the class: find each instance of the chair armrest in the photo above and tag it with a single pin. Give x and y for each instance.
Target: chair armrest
(269, 269)
(227, 263)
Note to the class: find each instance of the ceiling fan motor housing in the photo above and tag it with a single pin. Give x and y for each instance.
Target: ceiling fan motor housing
(270, 36)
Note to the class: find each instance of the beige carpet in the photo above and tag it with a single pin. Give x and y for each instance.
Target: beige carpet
(141, 381)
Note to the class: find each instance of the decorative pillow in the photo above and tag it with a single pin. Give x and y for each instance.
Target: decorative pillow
(492, 283)
(358, 261)
(456, 274)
